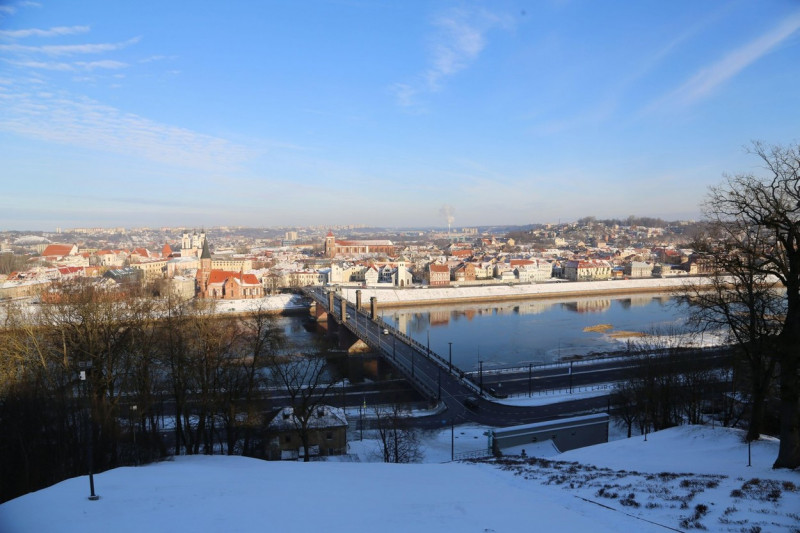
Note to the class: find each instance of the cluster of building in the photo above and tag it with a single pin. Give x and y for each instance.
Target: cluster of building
(189, 269)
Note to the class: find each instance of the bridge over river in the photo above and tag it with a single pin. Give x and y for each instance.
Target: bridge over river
(434, 376)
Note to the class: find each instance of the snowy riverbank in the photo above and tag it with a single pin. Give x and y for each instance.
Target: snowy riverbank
(392, 297)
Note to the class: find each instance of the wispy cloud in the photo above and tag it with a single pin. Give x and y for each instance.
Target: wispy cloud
(459, 37)
(707, 80)
(52, 32)
(69, 67)
(10, 9)
(86, 123)
(155, 58)
(67, 49)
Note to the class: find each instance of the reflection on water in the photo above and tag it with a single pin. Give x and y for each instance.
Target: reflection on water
(534, 331)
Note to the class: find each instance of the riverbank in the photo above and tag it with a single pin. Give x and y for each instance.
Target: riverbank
(394, 297)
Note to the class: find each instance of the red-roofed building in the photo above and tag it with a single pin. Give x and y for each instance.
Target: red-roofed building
(224, 284)
(332, 247)
(56, 252)
(438, 275)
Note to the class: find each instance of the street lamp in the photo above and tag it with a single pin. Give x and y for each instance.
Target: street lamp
(530, 376)
(135, 449)
(87, 366)
(450, 361)
(480, 374)
(570, 377)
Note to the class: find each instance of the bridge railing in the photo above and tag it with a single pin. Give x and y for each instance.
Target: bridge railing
(418, 379)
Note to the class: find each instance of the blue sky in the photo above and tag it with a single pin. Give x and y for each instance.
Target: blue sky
(268, 113)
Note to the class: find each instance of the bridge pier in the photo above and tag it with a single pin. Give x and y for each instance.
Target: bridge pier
(348, 341)
(319, 312)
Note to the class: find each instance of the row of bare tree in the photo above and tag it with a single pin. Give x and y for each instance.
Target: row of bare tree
(203, 376)
(670, 386)
(752, 245)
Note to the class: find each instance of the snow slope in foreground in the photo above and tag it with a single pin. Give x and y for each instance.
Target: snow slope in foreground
(238, 494)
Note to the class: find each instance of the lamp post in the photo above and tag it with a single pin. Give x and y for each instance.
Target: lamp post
(570, 377)
(452, 440)
(530, 376)
(480, 377)
(361, 417)
(84, 375)
(450, 360)
(135, 449)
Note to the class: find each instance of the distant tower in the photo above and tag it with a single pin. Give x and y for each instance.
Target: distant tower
(330, 245)
(186, 244)
(197, 242)
(205, 270)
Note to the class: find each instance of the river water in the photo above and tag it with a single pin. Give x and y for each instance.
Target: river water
(537, 331)
(518, 333)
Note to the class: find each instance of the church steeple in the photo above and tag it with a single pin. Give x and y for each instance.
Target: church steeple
(204, 272)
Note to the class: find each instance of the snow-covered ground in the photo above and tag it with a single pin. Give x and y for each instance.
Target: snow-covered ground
(555, 288)
(271, 304)
(678, 479)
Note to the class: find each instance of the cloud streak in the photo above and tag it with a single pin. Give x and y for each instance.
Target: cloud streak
(707, 80)
(67, 49)
(457, 42)
(69, 67)
(89, 124)
(52, 32)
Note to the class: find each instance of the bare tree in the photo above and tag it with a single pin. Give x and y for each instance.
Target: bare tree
(744, 303)
(261, 340)
(305, 381)
(760, 217)
(399, 442)
(624, 401)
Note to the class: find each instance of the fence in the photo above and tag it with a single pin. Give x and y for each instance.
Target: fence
(606, 387)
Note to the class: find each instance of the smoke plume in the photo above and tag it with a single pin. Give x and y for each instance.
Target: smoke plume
(447, 212)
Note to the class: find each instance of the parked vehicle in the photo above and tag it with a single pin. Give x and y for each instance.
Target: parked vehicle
(471, 402)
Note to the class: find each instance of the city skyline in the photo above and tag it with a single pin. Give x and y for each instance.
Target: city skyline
(383, 114)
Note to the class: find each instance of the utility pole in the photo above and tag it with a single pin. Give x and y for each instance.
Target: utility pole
(570, 377)
(480, 377)
(135, 449)
(452, 440)
(530, 376)
(450, 362)
(84, 375)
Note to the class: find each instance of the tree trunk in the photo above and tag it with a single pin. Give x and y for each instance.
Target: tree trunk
(789, 450)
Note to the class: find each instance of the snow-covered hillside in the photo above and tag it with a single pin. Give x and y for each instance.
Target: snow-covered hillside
(678, 479)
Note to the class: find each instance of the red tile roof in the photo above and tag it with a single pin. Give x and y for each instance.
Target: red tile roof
(220, 276)
(58, 250)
